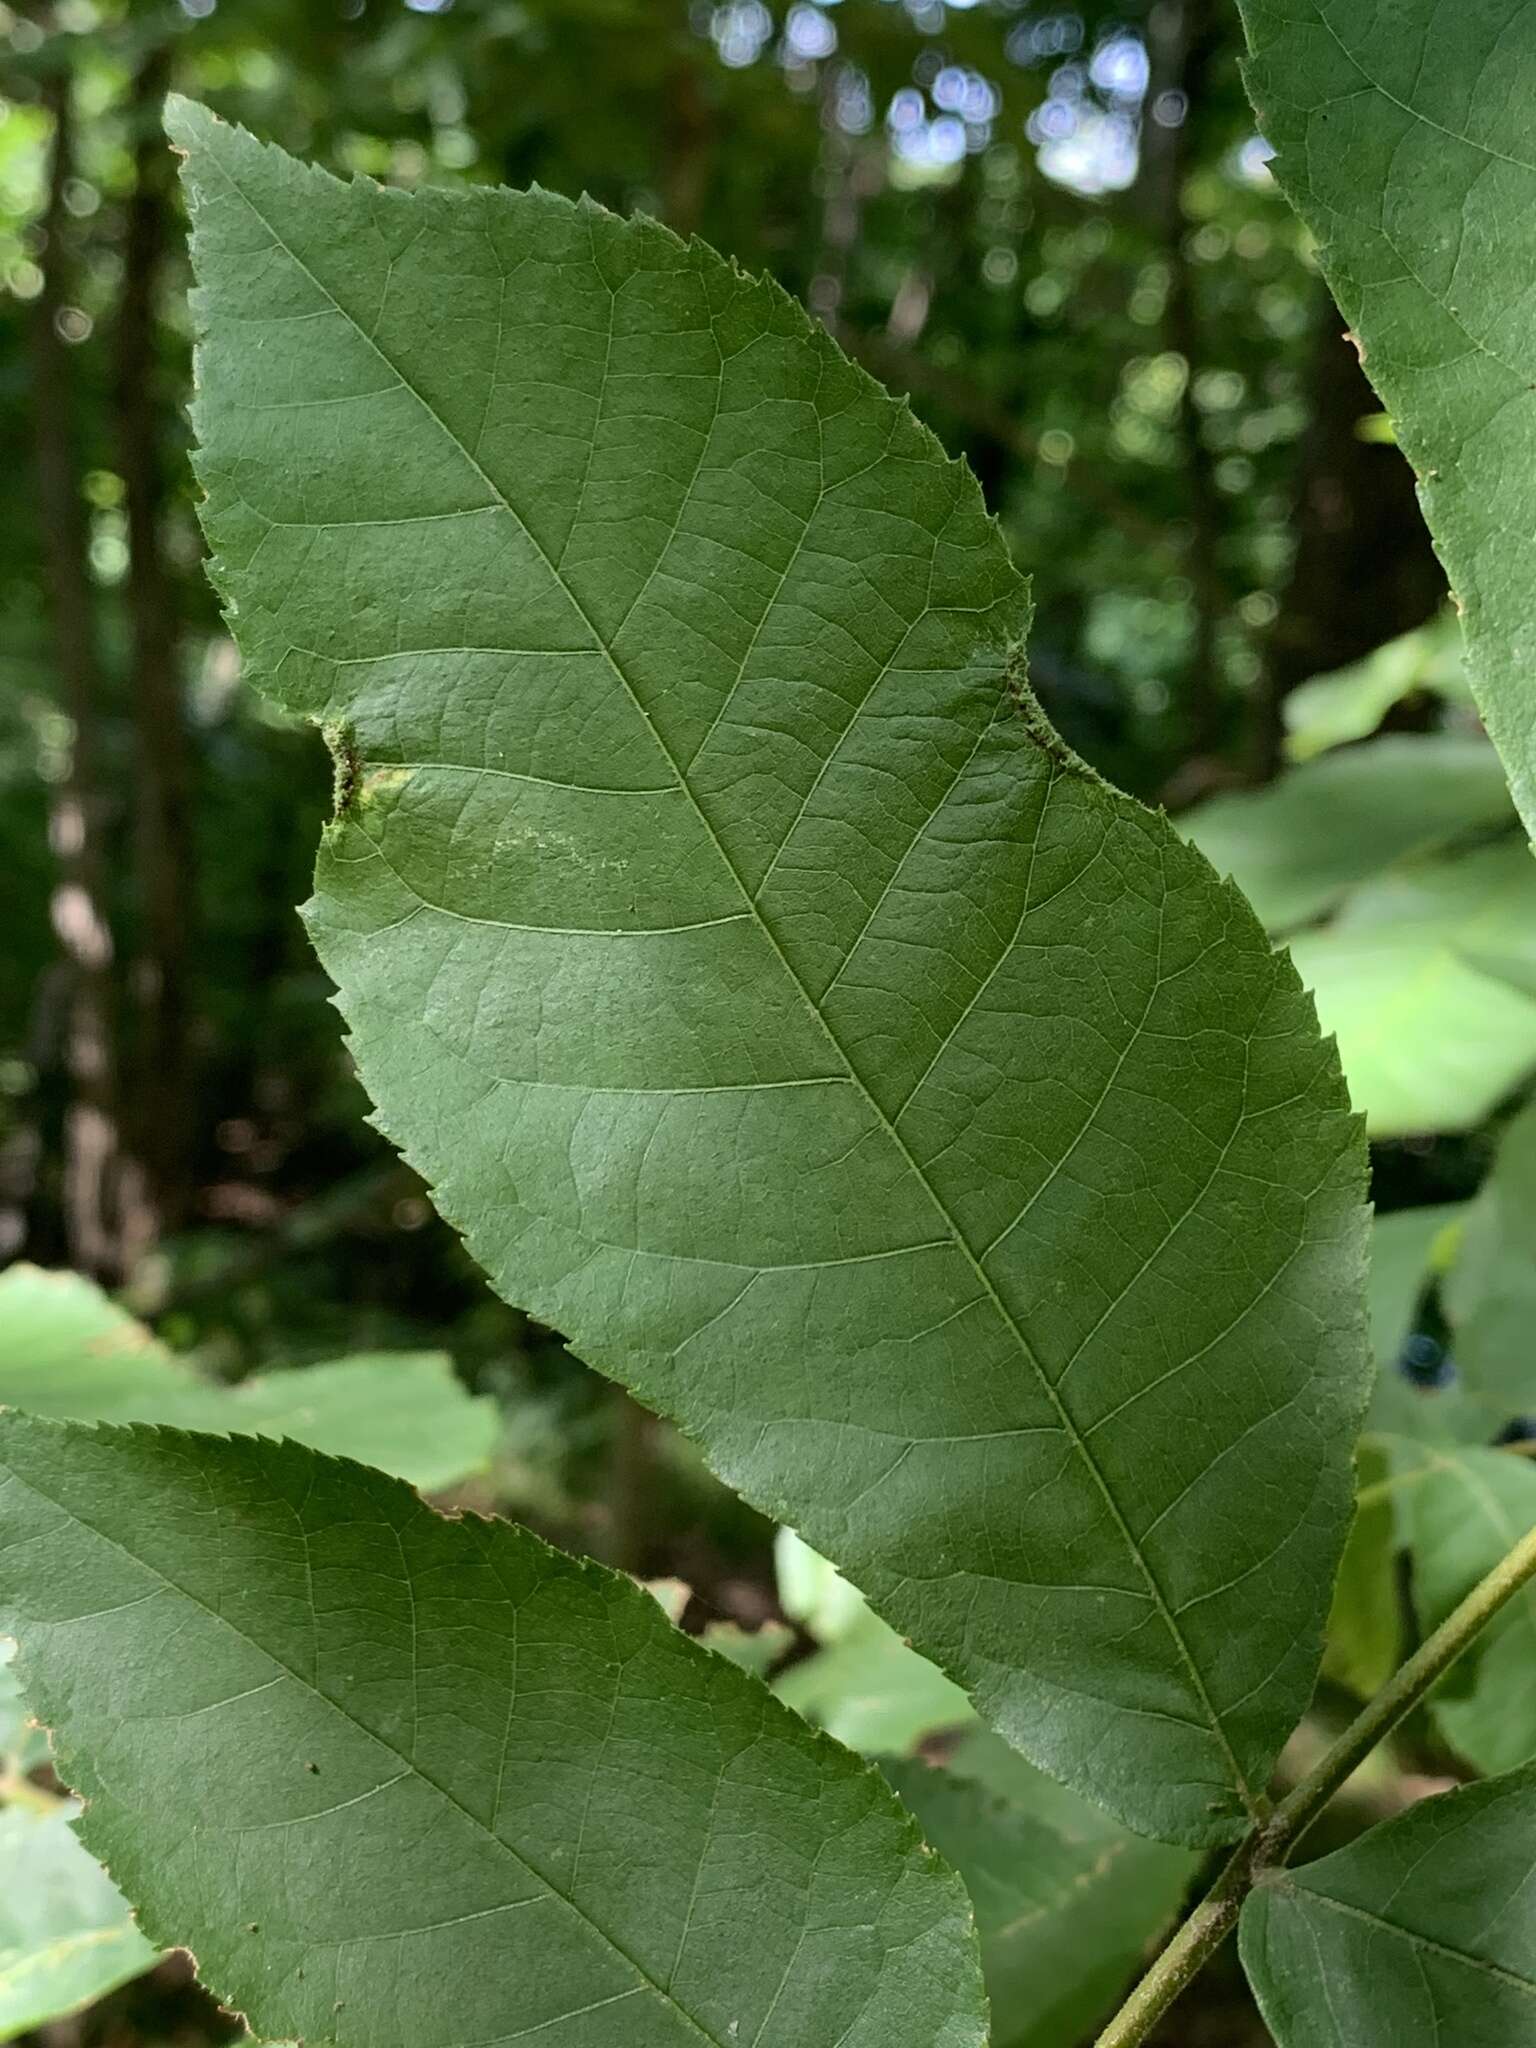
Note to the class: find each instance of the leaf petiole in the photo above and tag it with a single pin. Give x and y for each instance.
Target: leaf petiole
(1270, 1845)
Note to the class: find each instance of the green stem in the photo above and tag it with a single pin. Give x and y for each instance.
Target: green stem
(1433, 1658)
(1187, 1954)
(1270, 1844)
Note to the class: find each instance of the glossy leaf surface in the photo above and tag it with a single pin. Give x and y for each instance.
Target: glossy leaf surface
(779, 1009)
(452, 1787)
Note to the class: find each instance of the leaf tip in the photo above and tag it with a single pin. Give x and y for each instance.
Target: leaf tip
(187, 123)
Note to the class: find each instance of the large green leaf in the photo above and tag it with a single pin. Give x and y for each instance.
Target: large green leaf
(1403, 138)
(1067, 1901)
(1421, 1931)
(398, 1778)
(1298, 847)
(67, 1351)
(779, 1008)
(1430, 1041)
(66, 1936)
(1490, 1293)
(1463, 1511)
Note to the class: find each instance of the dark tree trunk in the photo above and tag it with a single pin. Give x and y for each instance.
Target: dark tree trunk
(688, 149)
(1364, 570)
(1182, 42)
(164, 1084)
(100, 1201)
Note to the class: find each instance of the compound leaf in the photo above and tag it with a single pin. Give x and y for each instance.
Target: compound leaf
(396, 1778)
(1403, 139)
(780, 1010)
(1420, 1931)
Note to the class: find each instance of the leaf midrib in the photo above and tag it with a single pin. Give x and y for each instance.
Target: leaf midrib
(1302, 1894)
(1074, 1436)
(414, 1768)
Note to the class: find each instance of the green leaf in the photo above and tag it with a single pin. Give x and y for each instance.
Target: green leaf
(753, 1649)
(873, 1692)
(1420, 1931)
(1462, 1513)
(1402, 135)
(1490, 1293)
(1297, 848)
(864, 1684)
(1328, 711)
(1067, 1901)
(66, 1935)
(21, 1745)
(780, 1010)
(69, 1352)
(449, 1786)
(1429, 1041)
(1407, 1247)
(813, 1591)
(1365, 1627)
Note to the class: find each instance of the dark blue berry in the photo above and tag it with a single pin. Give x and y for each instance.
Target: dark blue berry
(1426, 1363)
